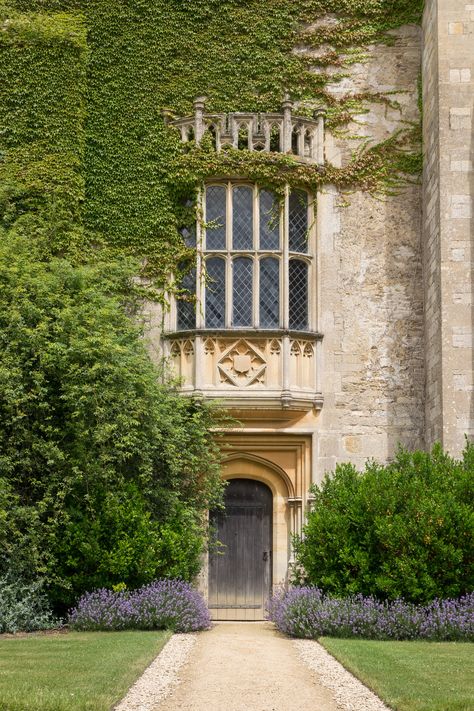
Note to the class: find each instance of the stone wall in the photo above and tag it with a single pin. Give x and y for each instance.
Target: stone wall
(448, 70)
(431, 227)
(371, 294)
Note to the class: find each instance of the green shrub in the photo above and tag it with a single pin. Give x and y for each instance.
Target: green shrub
(401, 530)
(23, 606)
(106, 469)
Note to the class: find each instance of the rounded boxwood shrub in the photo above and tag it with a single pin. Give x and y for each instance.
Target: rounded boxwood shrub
(402, 530)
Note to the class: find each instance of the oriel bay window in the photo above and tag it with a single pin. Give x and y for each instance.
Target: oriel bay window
(256, 261)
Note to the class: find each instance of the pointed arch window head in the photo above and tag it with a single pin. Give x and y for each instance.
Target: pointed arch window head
(252, 276)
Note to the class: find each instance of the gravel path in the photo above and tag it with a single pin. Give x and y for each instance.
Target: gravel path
(246, 667)
(350, 693)
(159, 679)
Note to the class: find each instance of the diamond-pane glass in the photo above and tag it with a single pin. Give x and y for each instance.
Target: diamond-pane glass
(298, 221)
(187, 308)
(189, 235)
(215, 293)
(298, 306)
(269, 292)
(269, 221)
(242, 218)
(215, 214)
(242, 291)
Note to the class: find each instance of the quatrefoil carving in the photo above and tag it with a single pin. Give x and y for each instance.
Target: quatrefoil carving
(242, 364)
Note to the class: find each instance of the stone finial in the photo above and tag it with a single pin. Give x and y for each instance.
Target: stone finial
(287, 106)
(320, 111)
(287, 103)
(199, 105)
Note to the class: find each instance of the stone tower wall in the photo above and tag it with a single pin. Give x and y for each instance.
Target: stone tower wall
(370, 291)
(448, 96)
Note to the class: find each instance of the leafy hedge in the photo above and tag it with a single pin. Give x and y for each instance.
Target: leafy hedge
(105, 473)
(401, 530)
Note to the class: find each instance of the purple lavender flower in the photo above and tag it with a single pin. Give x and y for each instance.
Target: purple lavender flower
(308, 612)
(163, 604)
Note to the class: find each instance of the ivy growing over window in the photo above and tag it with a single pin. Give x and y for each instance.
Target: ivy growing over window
(103, 169)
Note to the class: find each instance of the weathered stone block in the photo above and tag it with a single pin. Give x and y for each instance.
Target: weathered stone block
(461, 166)
(460, 118)
(461, 207)
(456, 28)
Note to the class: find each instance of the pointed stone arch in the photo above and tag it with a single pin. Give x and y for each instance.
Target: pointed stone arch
(245, 465)
(260, 469)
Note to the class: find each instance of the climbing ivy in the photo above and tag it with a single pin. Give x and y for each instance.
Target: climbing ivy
(144, 55)
(42, 138)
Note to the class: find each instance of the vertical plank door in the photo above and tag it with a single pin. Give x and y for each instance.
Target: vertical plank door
(240, 566)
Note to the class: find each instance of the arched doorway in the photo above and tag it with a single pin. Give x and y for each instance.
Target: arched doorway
(240, 569)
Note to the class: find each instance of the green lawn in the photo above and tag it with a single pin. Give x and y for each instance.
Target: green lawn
(79, 671)
(411, 676)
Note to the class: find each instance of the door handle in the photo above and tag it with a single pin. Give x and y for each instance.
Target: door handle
(265, 555)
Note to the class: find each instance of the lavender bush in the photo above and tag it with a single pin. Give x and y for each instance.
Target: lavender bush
(163, 604)
(308, 612)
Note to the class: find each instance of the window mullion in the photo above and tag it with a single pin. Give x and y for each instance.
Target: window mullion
(200, 281)
(228, 260)
(256, 291)
(312, 273)
(256, 269)
(285, 258)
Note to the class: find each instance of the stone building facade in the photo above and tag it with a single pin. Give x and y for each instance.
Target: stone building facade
(383, 354)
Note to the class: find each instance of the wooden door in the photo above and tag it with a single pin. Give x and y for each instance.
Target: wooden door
(240, 567)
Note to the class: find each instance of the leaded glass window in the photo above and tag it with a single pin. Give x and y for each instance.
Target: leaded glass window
(244, 283)
(216, 217)
(242, 217)
(186, 318)
(298, 221)
(269, 221)
(269, 303)
(215, 293)
(242, 291)
(298, 295)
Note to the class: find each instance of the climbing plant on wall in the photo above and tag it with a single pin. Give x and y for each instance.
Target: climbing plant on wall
(144, 55)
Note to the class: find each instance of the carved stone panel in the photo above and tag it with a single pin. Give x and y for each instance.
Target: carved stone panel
(242, 364)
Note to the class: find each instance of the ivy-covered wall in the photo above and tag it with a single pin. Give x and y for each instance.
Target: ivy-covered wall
(144, 55)
(43, 60)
